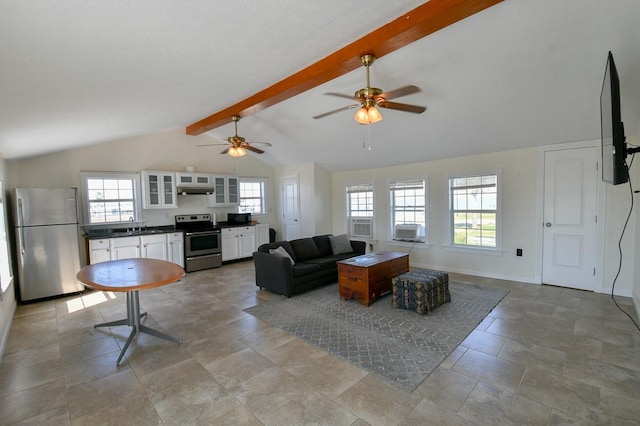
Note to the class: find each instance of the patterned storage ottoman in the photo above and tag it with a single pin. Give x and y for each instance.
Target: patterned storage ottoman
(420, 290)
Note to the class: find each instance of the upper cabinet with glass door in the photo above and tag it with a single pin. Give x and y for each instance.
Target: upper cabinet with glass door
(226, 191)
(159, 190)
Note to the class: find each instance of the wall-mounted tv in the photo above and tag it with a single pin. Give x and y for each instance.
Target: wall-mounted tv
(613, 145)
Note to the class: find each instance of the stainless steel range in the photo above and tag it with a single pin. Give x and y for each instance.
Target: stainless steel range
(202, 245)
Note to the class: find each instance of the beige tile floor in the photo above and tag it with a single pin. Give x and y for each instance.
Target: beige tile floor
(544, 356)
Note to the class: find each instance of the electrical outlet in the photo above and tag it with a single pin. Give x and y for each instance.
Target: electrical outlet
(370, 247)
(518, 252)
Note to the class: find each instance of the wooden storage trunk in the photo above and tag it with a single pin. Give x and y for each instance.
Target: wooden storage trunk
(365, 278)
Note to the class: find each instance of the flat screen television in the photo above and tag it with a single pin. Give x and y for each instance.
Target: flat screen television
(613, 145)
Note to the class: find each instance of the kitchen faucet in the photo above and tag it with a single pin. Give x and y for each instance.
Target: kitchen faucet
(133, 224)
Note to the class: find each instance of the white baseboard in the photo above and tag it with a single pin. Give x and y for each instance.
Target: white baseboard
(483, 274)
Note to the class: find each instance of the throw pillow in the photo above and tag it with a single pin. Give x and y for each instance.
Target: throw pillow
(340, 244)
(280, 251)
(304, 249)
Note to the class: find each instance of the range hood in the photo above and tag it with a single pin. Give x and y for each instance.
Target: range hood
(195, 189)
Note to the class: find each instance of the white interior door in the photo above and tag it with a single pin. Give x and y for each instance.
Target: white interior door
(290, 208)
(569, 215)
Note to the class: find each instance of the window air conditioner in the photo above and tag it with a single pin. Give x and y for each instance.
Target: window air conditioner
(407, 232)
(361, 227)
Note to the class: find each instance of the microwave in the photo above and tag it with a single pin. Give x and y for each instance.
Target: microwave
(239, 218)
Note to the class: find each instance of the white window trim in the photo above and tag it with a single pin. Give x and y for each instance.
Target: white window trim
(418, 245)
(426, 239)
(491, 251)
(254, 179)
(6, 273)
(137, 202)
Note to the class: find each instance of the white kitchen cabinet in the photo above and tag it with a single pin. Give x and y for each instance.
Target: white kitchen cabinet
(175, 248)
(125, 248)
(165, 246)
(194, 179)
(227, 191)
(154, 246)
(262, 234)
(229, 242)
(246, 241)
(159, 190)
(100, 250)
(238, 243)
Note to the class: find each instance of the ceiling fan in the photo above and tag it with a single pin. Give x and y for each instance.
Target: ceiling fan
(371, 97)
(237, 144)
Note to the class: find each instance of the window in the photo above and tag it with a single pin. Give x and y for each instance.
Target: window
(110, 197)
(474, 210)
(252, 196)
(408, 209)
(6, 277)
(360, 200)
(360, 210)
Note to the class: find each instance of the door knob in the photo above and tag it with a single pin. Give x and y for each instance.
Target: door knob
(548, 224)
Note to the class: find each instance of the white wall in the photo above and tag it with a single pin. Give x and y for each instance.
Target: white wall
(631, 242)
(315, 198)
(518, 208)
(322, 201)
(617, 201)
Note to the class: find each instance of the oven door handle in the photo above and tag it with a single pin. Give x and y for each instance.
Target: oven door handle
(189, 234)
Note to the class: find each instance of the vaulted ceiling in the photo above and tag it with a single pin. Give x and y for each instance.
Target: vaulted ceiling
(518, 74)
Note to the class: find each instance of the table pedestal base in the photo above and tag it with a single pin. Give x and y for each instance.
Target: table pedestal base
(133, 321)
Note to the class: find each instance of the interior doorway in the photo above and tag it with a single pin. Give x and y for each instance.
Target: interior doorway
(569, 252)
(290, 208)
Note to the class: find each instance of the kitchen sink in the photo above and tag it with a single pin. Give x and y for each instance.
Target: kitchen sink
(135, 233)
(125, 233)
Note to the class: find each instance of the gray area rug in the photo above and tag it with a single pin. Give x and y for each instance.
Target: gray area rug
(398, 345)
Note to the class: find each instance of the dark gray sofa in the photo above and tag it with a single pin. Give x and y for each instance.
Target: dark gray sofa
(315, 264)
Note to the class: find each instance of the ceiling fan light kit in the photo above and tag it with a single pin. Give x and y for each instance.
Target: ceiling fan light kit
(368, 114)
(236, 151)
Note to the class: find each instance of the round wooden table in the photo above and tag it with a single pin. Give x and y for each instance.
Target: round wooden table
(130, 276)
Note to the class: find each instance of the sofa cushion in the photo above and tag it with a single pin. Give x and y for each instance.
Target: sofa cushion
(305, 248)
(301, 269)
(281, 251)
(325, 262)
(340, 244)
(285, 244)
(324, 245)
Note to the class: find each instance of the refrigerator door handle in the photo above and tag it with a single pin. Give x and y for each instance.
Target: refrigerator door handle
(20, 223)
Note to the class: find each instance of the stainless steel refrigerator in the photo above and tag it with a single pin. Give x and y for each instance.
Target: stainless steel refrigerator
(47, 236)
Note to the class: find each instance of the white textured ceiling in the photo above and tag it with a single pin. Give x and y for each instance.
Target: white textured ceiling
(521, 73)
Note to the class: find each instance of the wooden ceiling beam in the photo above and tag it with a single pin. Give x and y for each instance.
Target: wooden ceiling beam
(414, 25)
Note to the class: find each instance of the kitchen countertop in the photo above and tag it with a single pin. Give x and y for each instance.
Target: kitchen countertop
(123, 232)
(150, 230)
(233, 225)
